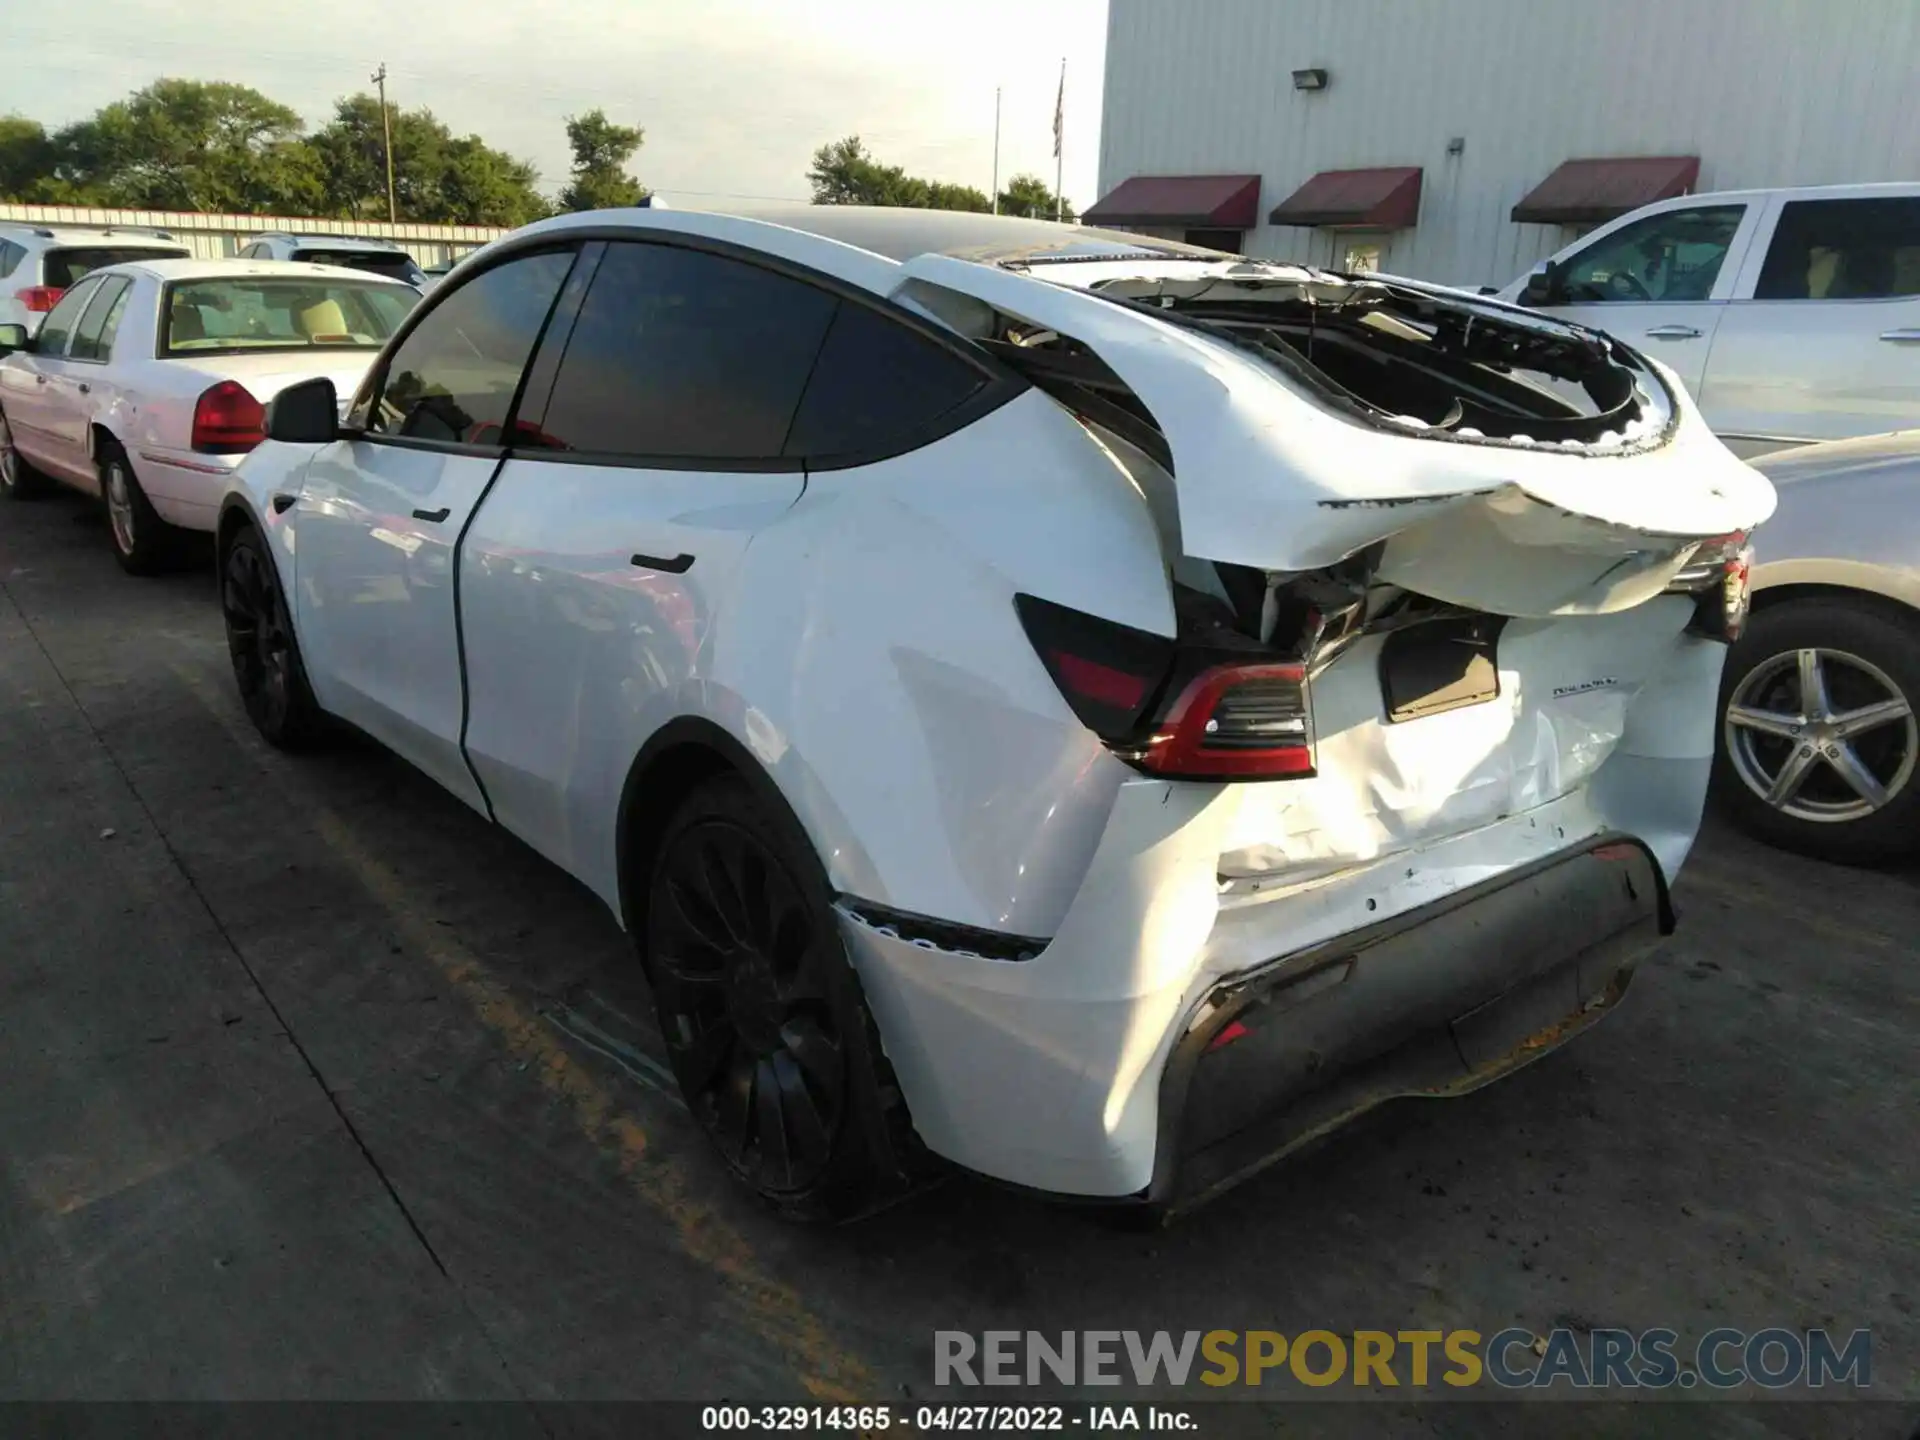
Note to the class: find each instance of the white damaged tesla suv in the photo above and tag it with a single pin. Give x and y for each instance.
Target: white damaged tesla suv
(1097, 712)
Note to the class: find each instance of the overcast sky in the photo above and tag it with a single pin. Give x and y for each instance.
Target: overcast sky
(734, 95)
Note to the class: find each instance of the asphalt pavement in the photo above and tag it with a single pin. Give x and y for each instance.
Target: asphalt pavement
(314, 1086)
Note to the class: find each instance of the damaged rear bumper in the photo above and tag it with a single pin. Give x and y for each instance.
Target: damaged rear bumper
(1074, 1071)
(1437, 1001)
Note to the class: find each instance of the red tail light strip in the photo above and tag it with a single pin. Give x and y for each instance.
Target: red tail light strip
(1193, 743)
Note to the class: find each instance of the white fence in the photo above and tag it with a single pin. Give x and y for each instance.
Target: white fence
(214, 236)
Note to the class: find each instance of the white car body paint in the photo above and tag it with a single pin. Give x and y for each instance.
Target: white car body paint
(377, 596)
(1846, 517)
(146, 403)
(854, 631)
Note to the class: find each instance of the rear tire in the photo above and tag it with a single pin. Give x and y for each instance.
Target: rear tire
(766, 1026)
(264, 650)
(1859, 804)
(18, 479)
(142, 542)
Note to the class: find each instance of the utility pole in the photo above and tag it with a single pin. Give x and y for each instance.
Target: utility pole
(379, 78)
(996, 149)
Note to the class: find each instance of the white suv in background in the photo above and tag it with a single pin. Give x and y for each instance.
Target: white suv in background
(40, 263)
(350, 252)
(1792, 315)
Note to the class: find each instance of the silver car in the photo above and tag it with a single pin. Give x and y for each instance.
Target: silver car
(1818, 735)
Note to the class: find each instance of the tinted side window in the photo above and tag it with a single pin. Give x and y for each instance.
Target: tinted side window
(10, 254)
(876, 386)
(454, 377)
(1843, 250)
(94, 338)
(679, 353)
(1675, 255)
(58, 326)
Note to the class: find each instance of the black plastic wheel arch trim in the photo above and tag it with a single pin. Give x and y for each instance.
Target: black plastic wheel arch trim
(924, 931)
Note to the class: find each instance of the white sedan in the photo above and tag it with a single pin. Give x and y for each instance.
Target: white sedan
(1097, 711)
(147, 382)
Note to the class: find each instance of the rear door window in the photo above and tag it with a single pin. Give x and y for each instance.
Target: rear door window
(1866, 249)
(93, 339)
(65, 268)
(453, 379)
(394, 266)
(878, 386)
(59, 325)
(683, 354)
(10, 257)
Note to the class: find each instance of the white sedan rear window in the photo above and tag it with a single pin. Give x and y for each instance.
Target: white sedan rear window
(203, 316)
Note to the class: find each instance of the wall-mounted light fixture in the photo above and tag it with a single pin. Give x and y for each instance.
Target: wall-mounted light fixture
(1309, 79)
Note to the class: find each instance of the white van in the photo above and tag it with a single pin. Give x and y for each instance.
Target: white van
(1792, 315)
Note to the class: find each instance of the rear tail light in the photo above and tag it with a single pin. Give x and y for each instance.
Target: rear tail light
(1106, 672)
(1236, 722)
(1720, 577)
(1228, 718)
(227, 420)
(39, 299)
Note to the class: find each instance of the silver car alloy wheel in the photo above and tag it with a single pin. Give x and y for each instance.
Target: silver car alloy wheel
(9, 458)
(1821, 735)
(119, 493)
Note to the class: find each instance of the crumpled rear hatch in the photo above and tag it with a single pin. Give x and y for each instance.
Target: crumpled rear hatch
(1430, 556)
(1556, 471)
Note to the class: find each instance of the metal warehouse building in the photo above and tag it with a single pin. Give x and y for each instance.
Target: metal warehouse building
(1464, 140)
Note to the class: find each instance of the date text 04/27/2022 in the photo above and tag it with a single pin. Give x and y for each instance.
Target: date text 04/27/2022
(859, 1420)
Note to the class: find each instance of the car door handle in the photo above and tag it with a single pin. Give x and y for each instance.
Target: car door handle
(1673, 332)
(433, 517)
(1901, 337)
(678, 565)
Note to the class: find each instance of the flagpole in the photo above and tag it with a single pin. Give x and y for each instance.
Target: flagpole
(1059, 144)
(996, 149)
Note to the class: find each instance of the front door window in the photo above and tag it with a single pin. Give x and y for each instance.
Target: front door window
(1674, 255)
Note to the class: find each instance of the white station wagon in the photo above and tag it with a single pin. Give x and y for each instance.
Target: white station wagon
(1100, 711)
(147, 383)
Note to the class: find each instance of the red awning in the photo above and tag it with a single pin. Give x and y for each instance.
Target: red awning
(1585, 192)
(1175, 202)
(1384, 198)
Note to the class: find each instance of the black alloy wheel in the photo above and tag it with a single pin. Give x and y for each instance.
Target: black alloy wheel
(759, 1006)
(260, 642)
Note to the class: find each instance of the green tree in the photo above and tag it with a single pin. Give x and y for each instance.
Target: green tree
(26, 157)
(944, 196)
(844, 173)
(601, 150)
(1028, 195)
(484, 186)
(438, 178)
(189, 145)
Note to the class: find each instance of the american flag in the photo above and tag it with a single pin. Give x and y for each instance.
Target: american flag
(1060, 110)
